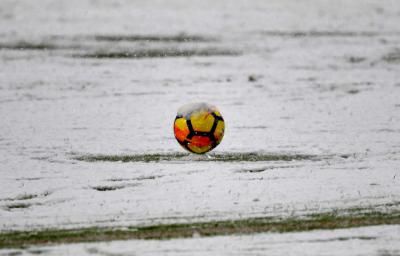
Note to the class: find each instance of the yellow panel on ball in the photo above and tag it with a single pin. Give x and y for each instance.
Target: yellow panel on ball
(202, 120)
(199, 150)
(219, 131)
(216, 112)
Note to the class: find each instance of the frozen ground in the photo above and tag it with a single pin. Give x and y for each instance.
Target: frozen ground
(378, 240)
(304, 77)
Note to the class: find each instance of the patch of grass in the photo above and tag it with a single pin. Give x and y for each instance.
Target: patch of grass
(152, 177)
(332, 220)
(37, 251)
(18, 206)
(355, 59)
(314, 33)
(107, 188)
(385, 206)
(392, 57)
(22, 45)
(255, 157)
(21, 197)
(14, 253)
(343, 239)
(26, 197)
(29, 178)
(157, 53)
(353, 91)
(223, 157)
(179, 38)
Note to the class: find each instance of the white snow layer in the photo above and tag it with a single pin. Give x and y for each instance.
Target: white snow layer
(376, 240)
(309, 77)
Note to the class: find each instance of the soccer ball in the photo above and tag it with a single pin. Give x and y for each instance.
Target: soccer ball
(199, 127)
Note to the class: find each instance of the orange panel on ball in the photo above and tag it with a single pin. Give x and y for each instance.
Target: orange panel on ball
(200, 141)
(200, 144)
(181, 129)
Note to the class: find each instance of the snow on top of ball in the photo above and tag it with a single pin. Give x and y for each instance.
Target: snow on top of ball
(188, 109)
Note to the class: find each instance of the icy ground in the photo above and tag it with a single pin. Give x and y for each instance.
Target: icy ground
(308, 77)
(380, 240)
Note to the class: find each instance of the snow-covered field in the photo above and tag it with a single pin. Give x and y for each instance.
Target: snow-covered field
(379, 240)
(290, 77)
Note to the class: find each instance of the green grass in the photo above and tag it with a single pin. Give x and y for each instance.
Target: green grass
(179, 38)
(107, 188)
(226, 157)
(392, 57)
(22, 45)
(18, 206)
(26, 197)
(157, 53)
(20, 239)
